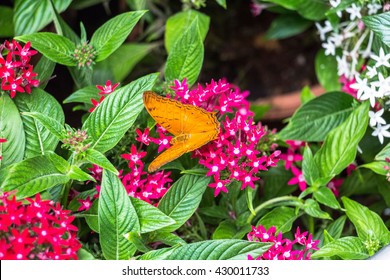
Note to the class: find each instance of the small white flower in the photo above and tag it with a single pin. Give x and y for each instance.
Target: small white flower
(373, 8)
(382, 59)
(371, 73)
(337, 39)
(360, 85)
(371, 93)
(383, 84)
(323, 30)
(330, 47)
(334, 3)
(381, 131)
(376, 117)
(354, 12)
(342, 66)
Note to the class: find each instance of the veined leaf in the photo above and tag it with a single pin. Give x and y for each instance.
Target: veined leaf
(11, 128)
(96, 157)
(347, 248)
(38, 138)
(113, 33)
(117, 217)
(380, 24)
(282, 217)
(107, 124)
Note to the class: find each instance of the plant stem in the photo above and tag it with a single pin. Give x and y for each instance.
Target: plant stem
(294, 201)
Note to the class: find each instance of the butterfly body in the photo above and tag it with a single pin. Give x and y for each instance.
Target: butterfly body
(191, 126)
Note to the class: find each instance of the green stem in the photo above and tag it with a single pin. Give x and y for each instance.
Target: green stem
(293, 199)
(311, 224)
(67, 187)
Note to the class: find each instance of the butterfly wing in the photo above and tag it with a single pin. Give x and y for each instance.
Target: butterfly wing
(168, 155)
(166, 112)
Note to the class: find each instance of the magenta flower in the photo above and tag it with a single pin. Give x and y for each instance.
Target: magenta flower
(282, 248)
(298, 178)
(134, 157)
(39, 229)
(16, 74)
(290, 158)
(107, 88)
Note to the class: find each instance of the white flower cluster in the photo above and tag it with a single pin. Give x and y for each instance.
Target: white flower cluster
(351, 44)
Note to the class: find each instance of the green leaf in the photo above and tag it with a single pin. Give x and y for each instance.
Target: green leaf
(119, 65)
(113, 33)
(312, 208)
(316, 118)
(76, 173)
(83, 254)
(325, 196)
(150, 217)
(186, 57)
(347, 248)
(31, 15)
(99, 159)
(326, 71)
(313, 10)
(229, 249)
(12, 151)
(179, 23)
(306, 95)
(136, 4)
(232, 249)
(288, 25)
(34, 175)
(55, 47)
(107, 124)
(340, 146)
(380, 24)
(39, 139)
(44, 69)
(309, 167)
(281, 217)
(259, 111)
(91, 216)
(63, 29)
(384, 153)
(369, 226)
(54, 126)
(6, 24)
(377, 166)
(167, 238)
(117, 217)
(83, 95)
(222, 3)
(225, 230)
(182, 199)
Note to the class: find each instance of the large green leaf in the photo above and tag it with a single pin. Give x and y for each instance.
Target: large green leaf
(83, 95)
(117, 217)
(6, 24)
(347, 248)
(32, 15)
(51, 124)
(118, 65)
(186, 57)
(34, 175)
(326, 71)
(150, 217)
(96, 157)
(44, 69)
(316, 118)
(309, 167)
(11, 128)
(183, 198)
(380, 24)
(38, 138)
(384, 153)
(107, 124)
(369, 225)
(325, 196)
(230, 249)
(281, 217)
(113, 33)
(180, 22)
(340, 146)
(313, 9)
(57, 48)
(288, 25)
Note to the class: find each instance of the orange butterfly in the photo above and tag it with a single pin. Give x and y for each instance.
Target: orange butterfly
(191, 126)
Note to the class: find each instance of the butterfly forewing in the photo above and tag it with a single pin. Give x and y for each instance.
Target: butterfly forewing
(192, 126)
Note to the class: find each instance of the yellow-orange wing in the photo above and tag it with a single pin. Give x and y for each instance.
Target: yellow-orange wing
(192, 126)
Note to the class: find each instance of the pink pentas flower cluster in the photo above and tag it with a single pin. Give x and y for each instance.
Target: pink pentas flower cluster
(16, 72)
(236, 154)
(138, 183)
(283, 248)
(104, 90)
(37, 230)
(346, 85)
